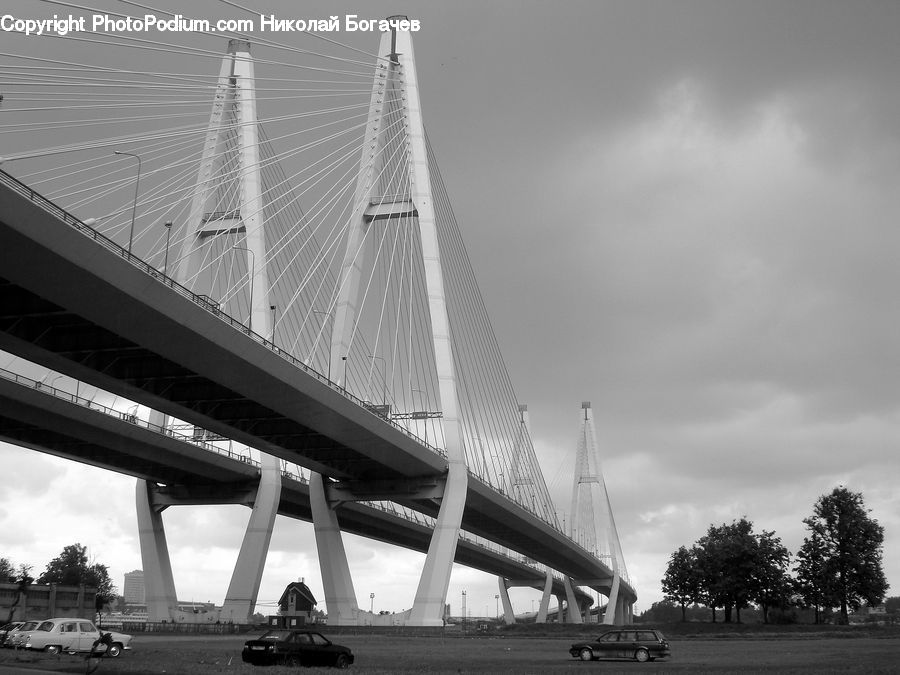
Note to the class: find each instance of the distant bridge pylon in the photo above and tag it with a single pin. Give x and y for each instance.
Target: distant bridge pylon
(592, 523)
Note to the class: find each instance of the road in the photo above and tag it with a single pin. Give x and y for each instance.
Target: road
(383, 654)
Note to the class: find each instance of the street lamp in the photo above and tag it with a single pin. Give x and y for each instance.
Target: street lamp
(371, 603)
(136, 188)
(464, 608)
(497, 603)
(274, 317)
(168, 226)
(252, 275)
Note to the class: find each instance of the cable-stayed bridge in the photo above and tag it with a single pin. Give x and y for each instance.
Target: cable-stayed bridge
(295, 283)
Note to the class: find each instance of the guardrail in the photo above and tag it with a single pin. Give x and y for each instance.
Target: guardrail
(203, 303)
(405, 513)
(124, 416)
(200, 300)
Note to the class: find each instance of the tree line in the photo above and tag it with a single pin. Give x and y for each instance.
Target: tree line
(731, 567)
(72, 567)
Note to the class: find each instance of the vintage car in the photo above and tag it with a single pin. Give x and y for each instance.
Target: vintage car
(6, 629)
(295, 648)
(15, 638)
(640, 644)
(72, 635)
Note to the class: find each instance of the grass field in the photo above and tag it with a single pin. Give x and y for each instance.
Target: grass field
(733, 652)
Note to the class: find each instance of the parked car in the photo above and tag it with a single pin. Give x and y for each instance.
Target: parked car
(72, 635)
(6, 629)
(15, 638)
(641, 644)
(295, 648)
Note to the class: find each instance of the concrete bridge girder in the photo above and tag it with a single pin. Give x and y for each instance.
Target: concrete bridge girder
(264, 498)
(242, 593)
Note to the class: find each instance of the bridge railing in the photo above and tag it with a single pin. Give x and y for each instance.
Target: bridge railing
(199, 300)
(202, 302)
(388, 507)
(399, 511)
(125, 416)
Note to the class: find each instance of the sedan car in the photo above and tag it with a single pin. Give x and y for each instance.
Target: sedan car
(626, 643)
(6, 629)
(295, 648)
(15, 638)
(72, 635)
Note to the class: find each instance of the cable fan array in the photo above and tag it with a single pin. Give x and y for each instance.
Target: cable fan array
(64, 120)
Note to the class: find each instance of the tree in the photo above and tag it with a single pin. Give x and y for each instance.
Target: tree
(852, 543)
(727, 557)
(813, 583)
(73, 568)
(660, 612)
(7, 571)
(23, 578)
(681, 583)
(771, 584)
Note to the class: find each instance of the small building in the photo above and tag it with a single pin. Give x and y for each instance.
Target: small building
(295, 606)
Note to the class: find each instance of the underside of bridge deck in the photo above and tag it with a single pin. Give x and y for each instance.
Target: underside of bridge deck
(45, 333)
(97, 314)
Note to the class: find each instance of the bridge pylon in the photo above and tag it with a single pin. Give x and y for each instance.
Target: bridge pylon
(592, 523)
(394, 184)
(226, 215)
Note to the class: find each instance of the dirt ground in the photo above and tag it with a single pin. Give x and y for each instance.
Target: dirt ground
(386, 654)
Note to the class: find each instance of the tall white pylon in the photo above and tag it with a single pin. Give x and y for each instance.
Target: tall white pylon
(395, 97)
(592, 524)
(231, 215)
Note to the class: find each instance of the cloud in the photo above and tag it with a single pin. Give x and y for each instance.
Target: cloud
(732, 299)
(694, 227)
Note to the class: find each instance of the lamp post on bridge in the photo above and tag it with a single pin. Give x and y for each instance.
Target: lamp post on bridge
(137, 184)
(168, 226)
(274, 309)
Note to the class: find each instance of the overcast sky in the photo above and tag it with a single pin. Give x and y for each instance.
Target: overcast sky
(682, 211)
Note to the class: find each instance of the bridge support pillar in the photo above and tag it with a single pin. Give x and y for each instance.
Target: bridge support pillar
(428, 607)
(560, 608)
(340, 598)
(545, 599)
(159, 584)
(573, 615)
(614, 606)
(624, 611)
(509, 617)
(243, 590)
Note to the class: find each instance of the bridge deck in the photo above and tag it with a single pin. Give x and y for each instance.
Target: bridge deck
(65, 426)
(79, 304)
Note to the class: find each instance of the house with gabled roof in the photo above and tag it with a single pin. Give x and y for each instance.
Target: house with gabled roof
(295, 607)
